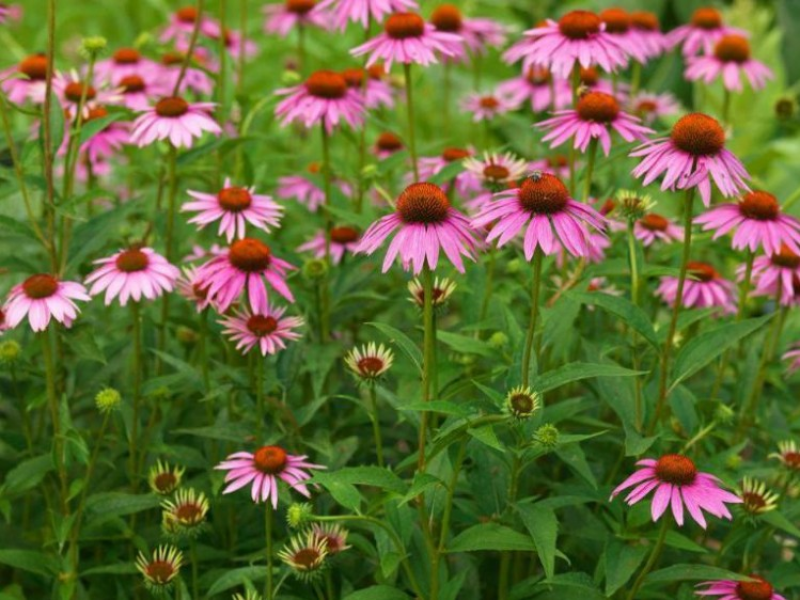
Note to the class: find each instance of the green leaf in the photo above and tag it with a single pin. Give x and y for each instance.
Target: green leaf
(623, 308)
(116, 504)
(28, 560)
(118, 569)
(778, 520)
(28, 474)
(577, 371)
(18, 227)
(487, 435)
(692, 573)
(95, 126)
(372, 476)
(58, 128)
(344, 493)
(448, 173)
(402, 340)
(237, 577)
(466, 344)
(707, 346)
(490, 536)
(377, 592)
(622, 561)
(542, 524)
(439, 406)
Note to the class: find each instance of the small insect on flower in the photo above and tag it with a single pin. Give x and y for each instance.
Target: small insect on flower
(369, 362)
(521, 403)
(756, 498)
(164, 479)
(160, 570)
(186, 512)
(333, 535)
(442, 290)
(789, 454)
(107, 400)
(305, 554)
(757, 588)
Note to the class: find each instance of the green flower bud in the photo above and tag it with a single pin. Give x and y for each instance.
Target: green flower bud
(315, 268)
(290, 78)
(9, 352)
(187, 336)
(522, 403)
(498, 339)
(107, 400)
(92, 46)
(513, 266)
(785, 108)
(299, 514)
(547, 436)
(724, 413)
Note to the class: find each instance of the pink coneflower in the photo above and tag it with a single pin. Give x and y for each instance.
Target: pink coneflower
(677, 483)
(593, 116)
(262, 469)
(619, 25)
(756, 589)
(375, 90)
(387, 144)
(3, 321)
(781, 268)
(553, 219)
(42, 297)
(188, 285)
(597, 244)
(652, 227)
(758, 221)
(344, 240)
(248, 265)
(235, 44)
(486, 107)
(108, 141)
(426, 223)
(268, 330)
(535, 86)
(407, 38)
(174, 119)
(704, 288)
(731, 59)
(650, 38)
(703, 31)
(10, 12)
(305, 191)
(182, 23)
(792, 356)
(649, 107)
(557, 164)
(126, 62)
(361, 11)
(465, 182)
(132, 274)
(32, 86)
(476, 34)
(140, 91)
(282, 17)
(495, 169)
(691, 156)
(195, 80)
(323, 98)
(69, 89)
(234, 207)
(578, 37)
(199, 253)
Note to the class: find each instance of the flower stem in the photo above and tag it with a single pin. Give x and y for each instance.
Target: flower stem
(47, 133)
(193, 555)
(676, 309)
(726, 107)
(55, 415)
(204, 350)
(325, 321)
(172, 162)
(428, 356)
(651, 561)
(636, 78)
(268, 517)
(635, 281)
(137, 384)
(591, 157)
(412, 143)
(487, 287)
(538, 255)
(376, 426)
(243, 34)
(190, 50)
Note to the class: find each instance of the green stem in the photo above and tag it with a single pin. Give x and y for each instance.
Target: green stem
(55, 415)
(222, 77)
(429, 349)
(137, 384)
(204, 350)
(172, 162)
(505, 558)
(325, 324)
(412, 143)
(676, 309)
(376, 426)
(487, 288)
(193, 555)
(47, 134)
(190, 50)
(243, 33)
(268, 517)
(301, 48)
(635, 359)
(538, 255)
(592, 156)
(636, 78)
(651, 561)
(726, 107)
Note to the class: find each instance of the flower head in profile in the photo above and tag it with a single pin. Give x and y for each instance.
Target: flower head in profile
(407, 38)
(704, 288)
(425, 224)
(521, 403)
(283, 17)
(693, 155)
(71, 89)
(778, 272)
(731, 60)
(649, 37)
(164, 479)
(371, 84)
(792, 356)
(369, 362)
(496, 170)
(189, 287)
(387, 144)
(195, 79)
(160, 570)
(465, 182)
(344, 241)
(551, 218)
(579, 37)
(186, 512)
(650, 107)
(43, 297)
(677, 484)
(477, 34)
(136, 273)
(486, 107)
(269, 330)
(757, 221)
(594, 116)
(442, 290)
(535, 86)
(126, 62)
(176, 120)
(756, 497)
(248, 265)
(234, 207)
(26, 80)
(755, 588)
(652, 227)
(323, 98)
(788, 454)
(105, 143)
(361, 11)
(182, 23)
(619, 25)
(306, 191)
(334, 536)
(262, 469)
(705, 29)
(305, 554)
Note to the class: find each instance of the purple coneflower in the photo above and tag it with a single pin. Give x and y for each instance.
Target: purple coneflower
(757, 588)
(731, 59)
(781, 268)
(268, 330)
(535, 86)
(376, 92)
(32, 86)
(619, 25)
(194, 79)
(70, 89)
(426, 223)
(343, 240)
(486, 107)
(108, 141)
(701, 33)
(476, 34)
(234, 207)
(262, 469)
(42, 297)
(189, 287)
(140, 91)
(132, 274)
(652, 227)
(650, 107)
(677, 483)
(306, 192)
(182, 23)
(361, 11)
(792, 356)
(465, 182)
(704, 288)
(495, 169)
(692, 155)
(387, 144)
(126, 62)
(647, 28)
(282, 17)
(325, 98)
(176, 120)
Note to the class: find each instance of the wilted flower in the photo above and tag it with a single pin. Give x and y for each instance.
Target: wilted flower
(164, 479)
(788, 454)
(305, 554)
(160, 570)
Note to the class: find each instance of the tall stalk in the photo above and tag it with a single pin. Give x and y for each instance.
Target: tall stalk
(635, 359)
(136, 319)
(268, 518)
(325, 294)
(536, 282)
(428, 357)
(412, 143)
